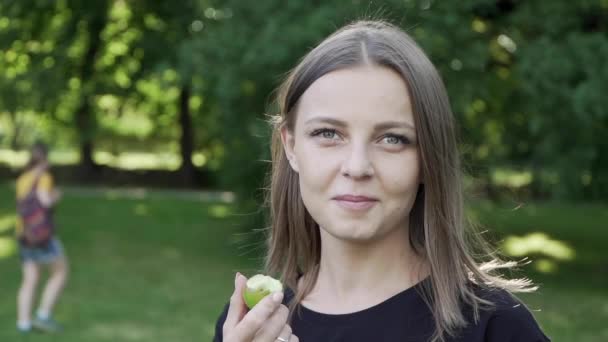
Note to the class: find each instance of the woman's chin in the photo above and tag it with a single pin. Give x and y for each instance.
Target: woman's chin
(354, 233)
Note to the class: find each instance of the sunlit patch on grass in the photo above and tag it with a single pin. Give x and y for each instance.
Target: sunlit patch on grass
(18, 159)
(8, 247)
(139, 160)
(539, 244)
(140, 209)
(123, 332)
(511, 178)
(219, 211)
(125, 160)
(14, 159)
(7, 222)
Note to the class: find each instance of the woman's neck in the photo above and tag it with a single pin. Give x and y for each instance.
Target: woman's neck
(354, 276)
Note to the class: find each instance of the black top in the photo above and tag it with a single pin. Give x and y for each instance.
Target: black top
(406, 317)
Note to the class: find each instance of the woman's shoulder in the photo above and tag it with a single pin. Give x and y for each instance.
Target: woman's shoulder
(25, 175)
(28, 175)
(508, 319)
(46, 180)
(24, 182)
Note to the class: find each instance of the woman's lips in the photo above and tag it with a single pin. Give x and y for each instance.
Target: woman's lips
(353, 202)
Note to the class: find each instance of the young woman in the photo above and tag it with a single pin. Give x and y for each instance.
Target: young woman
(36, 195)
(367, 228)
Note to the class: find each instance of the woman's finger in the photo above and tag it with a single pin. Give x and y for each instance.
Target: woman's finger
(253, 320)
(275, 327)
(294, 338)
(237, 308)
(285, 335)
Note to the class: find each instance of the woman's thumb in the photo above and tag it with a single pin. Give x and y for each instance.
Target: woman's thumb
(237, 308)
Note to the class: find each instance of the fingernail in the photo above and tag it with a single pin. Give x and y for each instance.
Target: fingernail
(236, 277)
(240, 276)
(277, 297)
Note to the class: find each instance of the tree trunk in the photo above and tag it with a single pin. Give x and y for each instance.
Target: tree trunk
(85, 121)
(186, 141)
(16, 131)
(85, 128)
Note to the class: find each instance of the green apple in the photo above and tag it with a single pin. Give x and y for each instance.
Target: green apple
(258, 287)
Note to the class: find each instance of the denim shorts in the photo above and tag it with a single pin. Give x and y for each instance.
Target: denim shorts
(42, 255)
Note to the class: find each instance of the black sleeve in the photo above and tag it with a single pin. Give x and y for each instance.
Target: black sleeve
(220, 324)
(514, 324)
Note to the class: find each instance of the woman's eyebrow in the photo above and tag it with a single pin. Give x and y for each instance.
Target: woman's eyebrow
(378, 127)
(393, 124)
(328, 120)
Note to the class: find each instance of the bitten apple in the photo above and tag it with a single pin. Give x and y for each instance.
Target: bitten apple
(258, 287)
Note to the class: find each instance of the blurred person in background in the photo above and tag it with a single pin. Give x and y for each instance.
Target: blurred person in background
(39, 246)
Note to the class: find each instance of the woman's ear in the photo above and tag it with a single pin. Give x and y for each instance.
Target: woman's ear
(288, 141)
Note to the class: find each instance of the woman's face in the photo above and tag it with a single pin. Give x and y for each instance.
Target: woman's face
(354, 148)
(41, 157)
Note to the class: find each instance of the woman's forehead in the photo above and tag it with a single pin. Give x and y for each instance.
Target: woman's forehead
(368, 94)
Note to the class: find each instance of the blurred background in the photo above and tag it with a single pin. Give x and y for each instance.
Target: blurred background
(155, 112)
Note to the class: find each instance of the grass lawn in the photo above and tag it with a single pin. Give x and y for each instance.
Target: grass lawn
(150, 269)
(567, 246)
(160, 268)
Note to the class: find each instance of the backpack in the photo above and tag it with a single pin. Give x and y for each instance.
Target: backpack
(37, 220)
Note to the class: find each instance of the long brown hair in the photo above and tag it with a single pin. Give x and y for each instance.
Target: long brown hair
(437, 232)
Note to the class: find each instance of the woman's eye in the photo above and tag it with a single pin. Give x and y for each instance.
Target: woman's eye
(395, 139)
(328, 134)
(324, 133)
(392, 140)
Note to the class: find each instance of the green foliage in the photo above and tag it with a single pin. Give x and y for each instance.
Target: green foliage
(524, 78)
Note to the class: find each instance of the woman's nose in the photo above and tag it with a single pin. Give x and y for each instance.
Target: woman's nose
(357, 163)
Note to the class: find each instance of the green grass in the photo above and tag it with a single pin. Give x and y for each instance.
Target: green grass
(156, 269)
(572, 301)
(161, 267)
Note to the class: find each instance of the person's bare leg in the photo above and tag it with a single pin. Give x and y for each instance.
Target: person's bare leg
(54, 286)
(25, 297)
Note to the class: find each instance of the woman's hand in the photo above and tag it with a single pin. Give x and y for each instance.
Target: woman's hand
(49, 198)
(266, 322)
